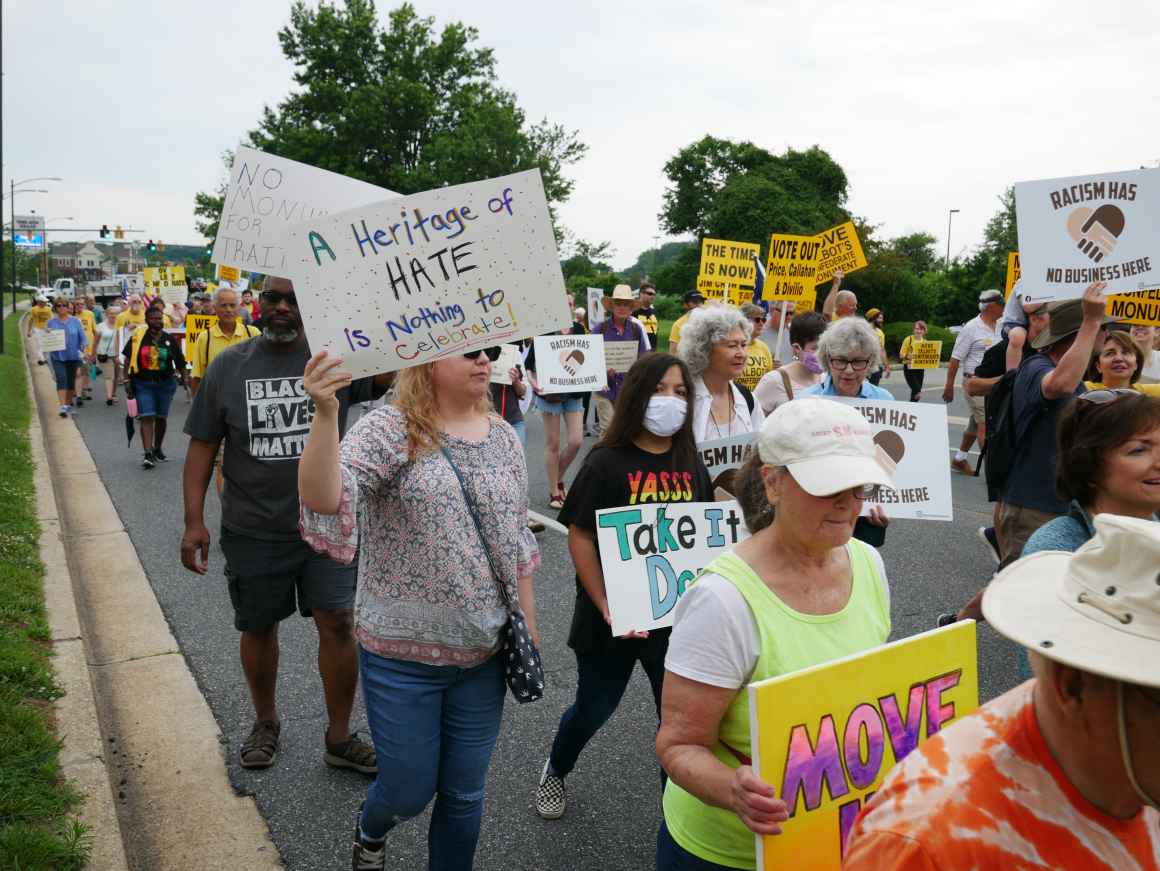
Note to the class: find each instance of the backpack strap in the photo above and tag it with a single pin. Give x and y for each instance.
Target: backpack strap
(748, 395)
(786, 382)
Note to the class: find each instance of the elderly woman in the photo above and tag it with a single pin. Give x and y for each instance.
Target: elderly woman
(784, 383)
(1118, 364)
(849, 351)
(799, 592)
(714, 344)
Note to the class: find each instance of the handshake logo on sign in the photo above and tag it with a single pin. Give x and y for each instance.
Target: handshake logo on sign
(1096, 232)
(572, 361)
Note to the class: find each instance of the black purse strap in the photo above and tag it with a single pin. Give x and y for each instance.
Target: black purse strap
(471, 509)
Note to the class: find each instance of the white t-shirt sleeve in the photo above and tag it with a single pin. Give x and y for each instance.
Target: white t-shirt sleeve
(715, 639)
(963, 341)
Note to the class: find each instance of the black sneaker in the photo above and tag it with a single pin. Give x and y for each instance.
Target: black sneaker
(108, 402)
(80, 400)
(946, 620)
(367, 855)
(158, 455)
(148, 462)
(987, 536)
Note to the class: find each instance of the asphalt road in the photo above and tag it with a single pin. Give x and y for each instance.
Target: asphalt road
(614, 793)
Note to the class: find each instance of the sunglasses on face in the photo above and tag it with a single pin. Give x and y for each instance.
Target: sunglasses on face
(273, 297)
(840, 363)
(492, 353)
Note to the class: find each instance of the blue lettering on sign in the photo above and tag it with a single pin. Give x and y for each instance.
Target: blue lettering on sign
(658, 568)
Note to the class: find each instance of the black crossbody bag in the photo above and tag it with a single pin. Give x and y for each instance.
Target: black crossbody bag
(523, 668)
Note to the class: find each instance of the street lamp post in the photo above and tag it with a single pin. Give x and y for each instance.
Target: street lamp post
(12, 212)
(950, 217)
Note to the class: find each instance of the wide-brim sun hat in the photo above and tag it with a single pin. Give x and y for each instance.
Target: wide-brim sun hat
(827, 446)
(1097, 609)
(1066, 319)
(620, 293)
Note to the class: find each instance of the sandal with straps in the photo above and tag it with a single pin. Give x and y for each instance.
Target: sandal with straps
(261, 748)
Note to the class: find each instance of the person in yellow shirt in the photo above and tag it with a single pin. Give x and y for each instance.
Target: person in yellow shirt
(693, 299)
(38, 317)
(877, 319)
(1118, 364)
(84, 388)
(228, 330)
(134, 315)
(758, 359)
(647, 313)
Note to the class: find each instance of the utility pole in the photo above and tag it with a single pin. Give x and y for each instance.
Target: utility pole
(950, 217)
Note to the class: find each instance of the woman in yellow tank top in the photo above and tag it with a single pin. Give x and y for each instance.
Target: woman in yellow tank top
(800, 592)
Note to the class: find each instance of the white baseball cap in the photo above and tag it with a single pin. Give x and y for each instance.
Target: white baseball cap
(1097, 609)
(827, 446)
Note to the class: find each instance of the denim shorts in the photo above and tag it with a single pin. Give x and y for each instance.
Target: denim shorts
(153, 397)
(566, 405)
(65, 372)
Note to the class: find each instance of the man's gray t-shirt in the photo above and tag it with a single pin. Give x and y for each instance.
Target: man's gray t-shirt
(252, 397)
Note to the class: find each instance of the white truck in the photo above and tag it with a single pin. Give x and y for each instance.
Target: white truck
(63, 287)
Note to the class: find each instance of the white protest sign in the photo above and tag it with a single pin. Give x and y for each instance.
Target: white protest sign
(501, 369)
(914, 434)
(446, 271)
(722, 456)
(53, 340)
(650, 554)
(595, 307)
(267, 194)
(570, 364)
(1078, 230)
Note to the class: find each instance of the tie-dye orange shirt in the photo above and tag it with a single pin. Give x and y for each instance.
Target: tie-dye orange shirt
(986, 793)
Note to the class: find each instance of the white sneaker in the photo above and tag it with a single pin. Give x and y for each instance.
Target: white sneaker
(551, 797)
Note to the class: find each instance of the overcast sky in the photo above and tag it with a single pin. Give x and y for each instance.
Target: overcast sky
(926, 106)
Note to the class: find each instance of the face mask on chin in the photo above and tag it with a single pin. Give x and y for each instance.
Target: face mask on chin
(665, 415)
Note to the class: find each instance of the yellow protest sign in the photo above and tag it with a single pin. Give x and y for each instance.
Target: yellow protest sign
(792, 265)
(195, 325)
(229, 273)
(167, 282)
(841, 249)
(1135, 308)
(730, 262)
(806, 304)
(925, 355)
(825, 737)
(1013, 272)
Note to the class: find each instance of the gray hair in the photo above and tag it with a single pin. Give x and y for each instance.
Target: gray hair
(223, 288)
(848, 337)
(844, 297)
(704, 329)
(751, 310)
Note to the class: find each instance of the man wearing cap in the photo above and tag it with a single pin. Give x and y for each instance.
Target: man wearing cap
(1046, 382)
(619, 326)
(693, 299)
(1062, 772)
(972, 342)
(38, 317)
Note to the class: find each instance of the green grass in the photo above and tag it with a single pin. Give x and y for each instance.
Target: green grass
(663, 328)
(37, 826)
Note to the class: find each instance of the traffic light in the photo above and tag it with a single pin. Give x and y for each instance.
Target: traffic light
(209, 250)
(104, 231)
(118, 233)
(151, 246)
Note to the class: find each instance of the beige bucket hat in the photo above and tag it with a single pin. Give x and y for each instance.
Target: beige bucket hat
(1097, 609)
(620, 292)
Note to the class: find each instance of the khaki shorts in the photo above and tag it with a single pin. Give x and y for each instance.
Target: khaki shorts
(978, 405)
(1016, 524)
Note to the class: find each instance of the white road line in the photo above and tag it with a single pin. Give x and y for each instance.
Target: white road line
(553, 525)
(961, 421)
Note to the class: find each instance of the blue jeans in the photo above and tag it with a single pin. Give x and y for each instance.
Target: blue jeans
(434, 728)
(602, 680)
(521, 428)
(671, 856)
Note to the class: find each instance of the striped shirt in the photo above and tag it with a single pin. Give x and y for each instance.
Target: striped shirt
(986, 793)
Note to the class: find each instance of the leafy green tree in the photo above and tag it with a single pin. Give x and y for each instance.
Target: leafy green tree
(401, 106)
(1001, 234)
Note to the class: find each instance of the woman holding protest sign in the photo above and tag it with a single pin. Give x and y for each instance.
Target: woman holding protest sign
(1118, 365)
(800, 592)
(914, 377)
(647, 455)
(783, 384)
(431, 493)
(714, 344)
(66, 361)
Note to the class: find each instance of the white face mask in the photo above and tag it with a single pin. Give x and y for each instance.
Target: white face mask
(665, 415)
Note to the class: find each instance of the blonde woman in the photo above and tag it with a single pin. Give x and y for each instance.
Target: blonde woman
(429, 613)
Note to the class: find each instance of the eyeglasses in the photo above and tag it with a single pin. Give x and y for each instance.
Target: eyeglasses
(1110, 394)
(841, 363)
(492, 353)
(273, 297)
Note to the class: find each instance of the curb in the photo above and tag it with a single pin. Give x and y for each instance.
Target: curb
(139, 738)
(82, 755)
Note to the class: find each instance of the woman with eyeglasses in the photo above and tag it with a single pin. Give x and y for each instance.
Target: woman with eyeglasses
(758, 359)
(647, 456)
(66, 361)
(431, 491)
(1118, 365)
(801, 591)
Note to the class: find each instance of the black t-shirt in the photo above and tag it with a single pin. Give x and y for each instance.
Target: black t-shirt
(994, 362)
(530, 363)
(648, 317)
(612, 478)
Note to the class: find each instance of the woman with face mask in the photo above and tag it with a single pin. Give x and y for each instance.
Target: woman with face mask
(781, 385)
(647, 455)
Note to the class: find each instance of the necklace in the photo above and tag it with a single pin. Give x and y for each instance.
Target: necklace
(713, 417)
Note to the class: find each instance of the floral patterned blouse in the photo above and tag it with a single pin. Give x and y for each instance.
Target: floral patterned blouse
(425, 589)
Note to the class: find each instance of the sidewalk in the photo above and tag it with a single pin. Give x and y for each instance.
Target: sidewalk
(139, 739)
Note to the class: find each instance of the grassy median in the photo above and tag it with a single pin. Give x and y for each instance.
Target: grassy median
(38, 829)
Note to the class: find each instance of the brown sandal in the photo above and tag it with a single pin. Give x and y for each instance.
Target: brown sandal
(261, 748)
